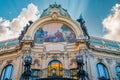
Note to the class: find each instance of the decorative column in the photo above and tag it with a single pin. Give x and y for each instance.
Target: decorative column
(112, 69)
(66, 60)
(44, 65)
(1, 62)
(92, 66)
(26, 56)
(17, 64)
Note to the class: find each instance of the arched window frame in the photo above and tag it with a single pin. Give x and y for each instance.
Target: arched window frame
(51, 70)
(7, 72)
(104, 74)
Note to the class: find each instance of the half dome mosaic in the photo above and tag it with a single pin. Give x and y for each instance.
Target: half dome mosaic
(54, 32)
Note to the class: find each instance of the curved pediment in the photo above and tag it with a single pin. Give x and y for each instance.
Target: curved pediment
(51, 25)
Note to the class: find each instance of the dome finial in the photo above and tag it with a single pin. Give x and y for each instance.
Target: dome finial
(55, 4)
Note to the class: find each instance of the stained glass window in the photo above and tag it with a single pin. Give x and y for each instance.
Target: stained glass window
(7, 72)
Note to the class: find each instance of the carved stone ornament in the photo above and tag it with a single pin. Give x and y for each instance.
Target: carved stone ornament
(9, 61)
(36, 62)
(72, 61)
(54, 16)
(109, 60)
(55, 57)
(27, 37)
(118, 62)
(100, 59)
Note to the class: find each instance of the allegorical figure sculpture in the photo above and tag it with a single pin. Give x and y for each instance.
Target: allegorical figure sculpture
(82, 24)
(82, 74)
(24, 30)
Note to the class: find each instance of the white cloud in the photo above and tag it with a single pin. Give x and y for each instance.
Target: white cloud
(112, 24)
(12, 29)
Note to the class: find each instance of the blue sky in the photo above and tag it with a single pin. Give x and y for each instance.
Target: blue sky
(93, 11)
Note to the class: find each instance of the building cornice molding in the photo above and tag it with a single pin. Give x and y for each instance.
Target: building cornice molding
(10, 49)
(12, 39)
(99, 38)
(105, 50)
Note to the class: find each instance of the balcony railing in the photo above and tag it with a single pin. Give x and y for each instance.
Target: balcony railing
(43, 74)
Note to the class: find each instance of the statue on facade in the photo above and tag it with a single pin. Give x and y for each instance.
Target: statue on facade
(24, 30)
(30, 22)
(82, 24)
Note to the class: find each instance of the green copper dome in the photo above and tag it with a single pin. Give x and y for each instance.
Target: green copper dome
(55, 8)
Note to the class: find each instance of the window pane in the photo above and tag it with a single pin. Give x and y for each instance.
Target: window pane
(106, 73)
(7, 72)
(118, 71)
(117, 68)
(102, 71)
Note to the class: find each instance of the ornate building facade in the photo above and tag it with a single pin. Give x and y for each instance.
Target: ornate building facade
(53, 41)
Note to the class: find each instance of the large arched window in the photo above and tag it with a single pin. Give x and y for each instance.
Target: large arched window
(118, 72)
(102, 72)
(7, 72)
(55, 68)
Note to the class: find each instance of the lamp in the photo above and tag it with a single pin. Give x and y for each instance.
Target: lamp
(27, 68)
(28, 61)
(81, 73)
(79, 59)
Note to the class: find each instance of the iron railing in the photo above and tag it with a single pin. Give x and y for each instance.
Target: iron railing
(66, 73)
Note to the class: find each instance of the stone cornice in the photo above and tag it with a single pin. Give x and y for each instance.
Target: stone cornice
(14, 54)
(98, 38)
(10, 49)
(9, 40)
(101, 48)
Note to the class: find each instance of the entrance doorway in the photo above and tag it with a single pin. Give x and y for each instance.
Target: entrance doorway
(55, 69)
